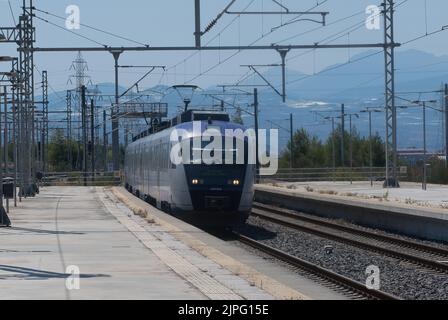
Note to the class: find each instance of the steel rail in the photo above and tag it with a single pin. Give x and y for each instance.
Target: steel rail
(365, 233)
(431, 264)
(340, 280)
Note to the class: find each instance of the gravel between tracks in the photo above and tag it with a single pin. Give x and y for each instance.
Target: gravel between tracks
(398, 278)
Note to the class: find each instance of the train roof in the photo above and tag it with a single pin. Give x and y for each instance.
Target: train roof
(184, 117)
(200, 115)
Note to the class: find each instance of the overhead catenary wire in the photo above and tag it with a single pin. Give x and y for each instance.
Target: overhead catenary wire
(50, 86)
(251, 44)
(334, 37)
(70, 31)
(12, 12)
(443, 28)
(95, 28)
(330, 38)
(236, 53)
(345, 31)
(416, 105)
(211, 40)
(362, 23)
(202, 73)
(296, 18)
(219, 16)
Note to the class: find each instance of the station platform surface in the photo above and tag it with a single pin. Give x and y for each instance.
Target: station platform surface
(409, 194)
(278, 280)
(407, 210)
(65, 228)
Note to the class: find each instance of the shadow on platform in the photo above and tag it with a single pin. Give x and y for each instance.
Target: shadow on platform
(35, 274)
(52, 232)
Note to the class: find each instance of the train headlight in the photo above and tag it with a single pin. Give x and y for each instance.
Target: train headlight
(195, 181)
(236, 182)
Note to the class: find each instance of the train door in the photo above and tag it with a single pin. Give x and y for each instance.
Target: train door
(146, 170)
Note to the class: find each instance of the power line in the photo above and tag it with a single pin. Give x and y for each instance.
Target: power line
(95, 29)
(211, 40)
(370, 55)
(334, 37)
(12, 13)
(340, 34)
(236, 53)
(72, 32)
(365, 57)
(320, 27)
(337, 66)
(251, 44)
(50, 86)
(297, 18)
(443, 28)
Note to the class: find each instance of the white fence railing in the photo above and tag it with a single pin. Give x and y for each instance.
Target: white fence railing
(327, 174)
(81, 179)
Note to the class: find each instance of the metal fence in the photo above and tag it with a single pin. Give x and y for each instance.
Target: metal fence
(327, 174)
(81, 179)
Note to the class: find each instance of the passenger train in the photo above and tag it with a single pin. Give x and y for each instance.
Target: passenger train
(217, 194)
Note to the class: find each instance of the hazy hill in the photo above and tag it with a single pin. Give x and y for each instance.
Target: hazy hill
(358, 84)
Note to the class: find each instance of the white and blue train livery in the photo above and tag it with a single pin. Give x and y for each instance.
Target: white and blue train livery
(206, 194)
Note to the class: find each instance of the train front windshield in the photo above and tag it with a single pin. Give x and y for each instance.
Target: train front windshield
(229, 172)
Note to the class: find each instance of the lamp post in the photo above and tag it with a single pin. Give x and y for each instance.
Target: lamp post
(333, 144)
(370, 111)
(351, 115)
(423, 103)
(291, 133)
(4, 219)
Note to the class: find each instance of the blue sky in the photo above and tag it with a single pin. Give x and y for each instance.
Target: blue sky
(170, 22)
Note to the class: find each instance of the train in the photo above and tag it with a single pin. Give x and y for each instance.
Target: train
(217, 194)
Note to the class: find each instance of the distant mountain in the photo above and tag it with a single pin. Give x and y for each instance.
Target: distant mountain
(364, 78)
(361, 84)
(357, 84)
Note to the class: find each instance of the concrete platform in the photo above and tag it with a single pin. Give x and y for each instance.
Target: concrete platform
(407, 210)
(409, 194)
(277, 280)
(83, 227)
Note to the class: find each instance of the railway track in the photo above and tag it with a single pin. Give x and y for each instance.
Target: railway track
(410, 251)
(342, 283)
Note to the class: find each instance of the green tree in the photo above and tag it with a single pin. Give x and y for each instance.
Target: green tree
(310, 152)
(58, 149)
(361, 149)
